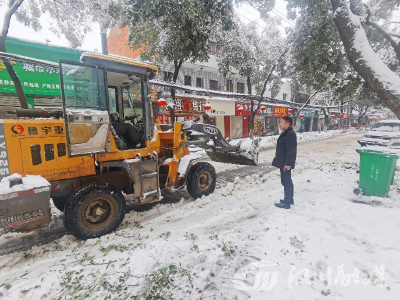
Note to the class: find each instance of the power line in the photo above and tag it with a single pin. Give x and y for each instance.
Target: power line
(280, 15)
(283, 17)
(257, 24)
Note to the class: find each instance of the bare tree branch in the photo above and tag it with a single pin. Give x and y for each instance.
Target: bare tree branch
(381, 30)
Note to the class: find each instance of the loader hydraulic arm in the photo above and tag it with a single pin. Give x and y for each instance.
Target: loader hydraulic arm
(210, 132)
(209, 137)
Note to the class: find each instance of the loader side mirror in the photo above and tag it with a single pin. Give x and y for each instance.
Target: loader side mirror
(86, 112)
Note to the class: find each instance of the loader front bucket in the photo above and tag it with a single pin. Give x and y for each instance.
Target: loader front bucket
(245, 153)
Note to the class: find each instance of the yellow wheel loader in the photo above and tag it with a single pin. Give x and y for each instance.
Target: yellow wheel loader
(103, 149)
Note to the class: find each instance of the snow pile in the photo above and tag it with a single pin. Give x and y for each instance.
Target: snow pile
(96, 143)
(28, 183)
(382, 149)
(248, 148)
(270, 141)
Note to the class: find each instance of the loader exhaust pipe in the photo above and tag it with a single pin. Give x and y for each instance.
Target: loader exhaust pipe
(35, 113)
(104, 46)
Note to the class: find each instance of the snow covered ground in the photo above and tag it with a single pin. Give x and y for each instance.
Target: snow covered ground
(270, 142)
(234, 244)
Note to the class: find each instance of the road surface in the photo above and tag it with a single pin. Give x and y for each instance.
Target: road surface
(306, 151)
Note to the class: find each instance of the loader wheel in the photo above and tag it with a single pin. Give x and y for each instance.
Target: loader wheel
(201, 180)
(94, 210)
(59, 203)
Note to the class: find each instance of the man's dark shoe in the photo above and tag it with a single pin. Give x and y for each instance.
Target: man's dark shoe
(282, 201)
(282, 205)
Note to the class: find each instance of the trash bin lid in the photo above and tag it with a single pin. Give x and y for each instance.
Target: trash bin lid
(384, 152)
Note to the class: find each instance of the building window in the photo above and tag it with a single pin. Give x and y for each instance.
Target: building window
(188, 80)
(229, 86)
(168, 76)
(212, 48)
(199, 82)
(213, 85)
(284, 97)
(240, 87)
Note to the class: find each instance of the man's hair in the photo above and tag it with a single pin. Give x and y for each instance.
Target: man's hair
(288, 120)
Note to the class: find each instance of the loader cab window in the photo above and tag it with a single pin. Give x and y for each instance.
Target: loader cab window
(132, 100)
(85, 108)
(128, 95)
(113, 99)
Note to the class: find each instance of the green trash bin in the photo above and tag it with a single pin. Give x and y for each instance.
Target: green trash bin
(376, 171)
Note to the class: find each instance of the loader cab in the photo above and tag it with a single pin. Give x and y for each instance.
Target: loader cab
(103, 94)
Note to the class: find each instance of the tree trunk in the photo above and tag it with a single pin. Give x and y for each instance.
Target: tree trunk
(294, 118)
(318, 123)
(363, 58)
(10, 69)
(177, 65)
(301, 108)
(253, 113)
(327, 119)
(361, 114)
(349, 115)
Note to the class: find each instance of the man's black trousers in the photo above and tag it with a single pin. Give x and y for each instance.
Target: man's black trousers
(286, 180)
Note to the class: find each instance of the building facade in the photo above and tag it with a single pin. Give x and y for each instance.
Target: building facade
(205, 75)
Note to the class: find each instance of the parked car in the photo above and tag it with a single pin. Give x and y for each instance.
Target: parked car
(384, 133)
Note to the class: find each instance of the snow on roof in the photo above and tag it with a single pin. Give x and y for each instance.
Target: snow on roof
(29, 59)
(120, 59)
(390, 121)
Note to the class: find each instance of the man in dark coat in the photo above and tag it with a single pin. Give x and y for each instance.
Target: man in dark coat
(285, 159)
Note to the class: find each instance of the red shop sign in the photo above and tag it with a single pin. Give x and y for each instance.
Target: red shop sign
(162, 119)
(280, 111)
(246, 108)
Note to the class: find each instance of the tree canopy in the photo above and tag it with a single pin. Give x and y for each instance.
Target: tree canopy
(348, 46)
(175, 30)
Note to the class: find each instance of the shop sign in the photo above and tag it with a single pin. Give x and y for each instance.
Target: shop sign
(246, 108)
(280, 111)
(187, 105)
(222, 108)
(269, 111)
(162, 119)
(307, 113)
(35, 79)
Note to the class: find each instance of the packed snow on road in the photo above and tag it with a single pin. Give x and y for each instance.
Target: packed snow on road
(233, 244)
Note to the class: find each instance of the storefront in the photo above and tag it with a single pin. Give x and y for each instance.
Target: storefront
(270, 125)
(221, 113)
(243, 115)
(279, 112)
(307, 120)
(265, 123)
(185, 109)
(236, 127)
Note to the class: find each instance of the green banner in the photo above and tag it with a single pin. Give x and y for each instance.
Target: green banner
(35, 79)
(308, 113)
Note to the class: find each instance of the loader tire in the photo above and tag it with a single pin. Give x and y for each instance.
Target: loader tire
(201, 180)
(94, 210)
(59, 203)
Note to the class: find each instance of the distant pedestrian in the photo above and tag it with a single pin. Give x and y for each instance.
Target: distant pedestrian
(285, 160)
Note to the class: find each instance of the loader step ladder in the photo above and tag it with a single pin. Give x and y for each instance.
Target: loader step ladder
(149, 179)
(144, 174)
